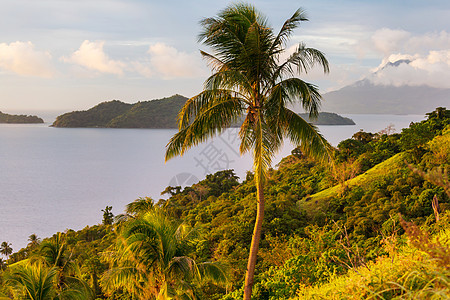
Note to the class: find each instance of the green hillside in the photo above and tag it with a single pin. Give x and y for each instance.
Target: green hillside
(327, 118)
(319, 202)
(160, 113)
(98, 116)
(19, 119)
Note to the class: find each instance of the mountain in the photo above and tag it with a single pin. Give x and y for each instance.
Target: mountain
(364, 97)
(160, 113)
(19, 119)
(98, 116)
(367, 96)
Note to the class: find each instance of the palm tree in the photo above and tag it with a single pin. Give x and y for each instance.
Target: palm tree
(33, 282)
(2, 264)
(33, 240)
(250, 80)
(5, 249)
(151, 262)
(54, 254)
(36, 282)
(134, 209)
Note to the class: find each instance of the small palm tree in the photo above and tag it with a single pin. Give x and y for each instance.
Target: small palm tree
(2, 264)
(32, 282)
(33, 241)
(134, 209)
(5, 249)
(54, 254)
(37, 282)
(151, 260)
(250, 80)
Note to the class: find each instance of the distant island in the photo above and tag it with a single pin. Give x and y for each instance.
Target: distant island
(327, 118)
(160, 113)
(19, 119)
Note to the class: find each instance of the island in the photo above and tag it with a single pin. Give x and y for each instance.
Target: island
(328, 118)
(159, 113)
(19, 119)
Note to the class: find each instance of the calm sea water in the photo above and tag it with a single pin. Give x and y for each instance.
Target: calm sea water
(52, 179)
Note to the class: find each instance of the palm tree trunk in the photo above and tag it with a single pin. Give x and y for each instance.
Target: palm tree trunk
(255, 241)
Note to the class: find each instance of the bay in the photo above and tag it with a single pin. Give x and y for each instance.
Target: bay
(52, 179)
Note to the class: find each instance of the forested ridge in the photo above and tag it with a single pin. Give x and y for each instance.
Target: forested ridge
(160, 113)
(19, 119)
(376, 224)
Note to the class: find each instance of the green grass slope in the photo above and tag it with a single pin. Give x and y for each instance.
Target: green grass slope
(416, 270)
(387, 170)
(318, 202)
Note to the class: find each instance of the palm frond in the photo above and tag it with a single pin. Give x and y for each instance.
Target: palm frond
(213, 62)
(247, 136)
(292, 90)
(306, 58)
(229, 82)
(287, 29)
(126, 278)
(209, 121)
(213, 272)
(35, 281)
(302, 60)
(306, 135)
(77, 290)
(266, 145)
(201, 103)
(182, 267)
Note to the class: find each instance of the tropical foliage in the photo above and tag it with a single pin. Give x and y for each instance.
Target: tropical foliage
(150, 260)
(36, 282)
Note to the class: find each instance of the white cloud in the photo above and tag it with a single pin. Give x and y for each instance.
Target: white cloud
(428, 56)
(143, 68)
(169, 63)
(23, 59)
(432, 69)
(91, 56)
(390, 41)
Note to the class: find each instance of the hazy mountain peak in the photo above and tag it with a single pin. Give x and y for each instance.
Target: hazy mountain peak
(371, 97)
(395, 64)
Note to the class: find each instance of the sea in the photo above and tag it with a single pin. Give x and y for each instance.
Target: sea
(54, 179)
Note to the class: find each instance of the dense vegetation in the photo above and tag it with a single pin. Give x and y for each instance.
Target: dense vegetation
(19, 119)
(342, 233)
(160, 113)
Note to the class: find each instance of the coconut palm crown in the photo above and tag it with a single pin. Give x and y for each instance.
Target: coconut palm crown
(251, 81)
(150, 260)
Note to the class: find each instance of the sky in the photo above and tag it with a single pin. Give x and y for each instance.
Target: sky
(67, 55)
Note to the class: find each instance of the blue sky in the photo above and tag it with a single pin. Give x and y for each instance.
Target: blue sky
(73, 54)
